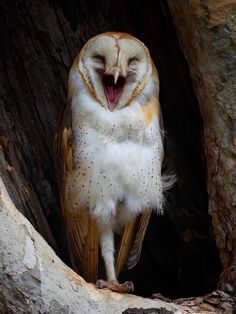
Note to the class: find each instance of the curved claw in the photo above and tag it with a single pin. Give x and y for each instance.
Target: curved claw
(114, 285)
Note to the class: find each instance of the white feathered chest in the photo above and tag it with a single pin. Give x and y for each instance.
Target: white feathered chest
(117, 160)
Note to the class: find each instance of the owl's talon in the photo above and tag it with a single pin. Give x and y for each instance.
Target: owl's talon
(114, 285)
(101, 284)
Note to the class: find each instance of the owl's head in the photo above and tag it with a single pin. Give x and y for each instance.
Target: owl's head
(115, 67)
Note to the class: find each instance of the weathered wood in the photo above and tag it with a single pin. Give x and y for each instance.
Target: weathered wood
(39, 40)
(207, 34)
(34, 280)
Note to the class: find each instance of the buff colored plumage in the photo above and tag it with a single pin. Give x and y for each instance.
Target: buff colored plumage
(110, 152)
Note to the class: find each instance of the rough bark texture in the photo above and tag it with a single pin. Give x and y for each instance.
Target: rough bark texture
(39, 40)
(34, 280)
(207, 32)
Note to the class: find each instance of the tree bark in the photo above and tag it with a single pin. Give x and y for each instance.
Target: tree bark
(207, 33)
(34, 280)
(39, 40)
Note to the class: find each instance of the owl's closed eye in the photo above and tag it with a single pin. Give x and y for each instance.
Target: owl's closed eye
(115, 67)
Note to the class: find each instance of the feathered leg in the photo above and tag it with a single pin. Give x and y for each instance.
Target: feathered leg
(106, 238)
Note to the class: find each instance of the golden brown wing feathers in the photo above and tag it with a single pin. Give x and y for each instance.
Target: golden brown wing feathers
(138, 240)
(81, 229)
(83, 244)
(131, 243)
(126, 244)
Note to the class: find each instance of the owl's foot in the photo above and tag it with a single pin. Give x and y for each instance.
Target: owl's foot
(114, 285)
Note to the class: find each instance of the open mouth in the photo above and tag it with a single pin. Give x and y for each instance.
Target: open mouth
(113, 90)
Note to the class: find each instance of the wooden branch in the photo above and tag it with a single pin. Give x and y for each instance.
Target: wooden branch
(34, 280)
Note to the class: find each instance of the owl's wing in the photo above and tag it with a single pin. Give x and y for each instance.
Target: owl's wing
(131, 243)
(81, 229)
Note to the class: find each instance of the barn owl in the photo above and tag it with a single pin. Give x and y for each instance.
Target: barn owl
(110, 153)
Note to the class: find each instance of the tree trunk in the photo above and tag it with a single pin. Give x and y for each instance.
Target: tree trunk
(39, 40)
(207, 34)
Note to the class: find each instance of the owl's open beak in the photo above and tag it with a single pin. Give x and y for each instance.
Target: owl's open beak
(116, 75)
(113, 86)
